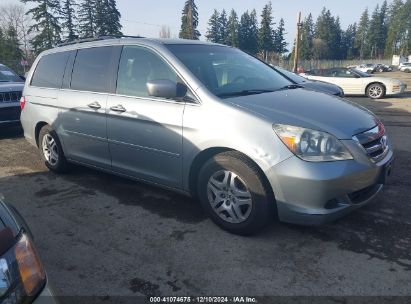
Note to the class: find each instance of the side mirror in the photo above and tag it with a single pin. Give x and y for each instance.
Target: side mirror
(166, 88)
(22, 77)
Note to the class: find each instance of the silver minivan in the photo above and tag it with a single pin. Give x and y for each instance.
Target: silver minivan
(209, 121)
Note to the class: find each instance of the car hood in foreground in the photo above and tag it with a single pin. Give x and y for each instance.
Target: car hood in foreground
(385, 80)
(322, 87)
(11, 86)
(310, 109)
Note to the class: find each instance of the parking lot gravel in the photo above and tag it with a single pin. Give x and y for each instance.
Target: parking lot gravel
(106, 236)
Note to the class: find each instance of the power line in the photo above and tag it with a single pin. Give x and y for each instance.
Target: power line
(145, 23)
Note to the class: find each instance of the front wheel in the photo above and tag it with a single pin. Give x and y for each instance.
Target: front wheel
(234, 194)
(51, 150)
(375, 91)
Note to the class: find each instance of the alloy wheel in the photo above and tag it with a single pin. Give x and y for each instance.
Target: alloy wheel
(229, 197)
(375, 91)
(50, 150)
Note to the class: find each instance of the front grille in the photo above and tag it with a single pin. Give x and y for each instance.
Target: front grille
(374, 142)
(10, 96)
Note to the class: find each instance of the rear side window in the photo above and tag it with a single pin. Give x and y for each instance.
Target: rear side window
(92, 69)
(50, 70)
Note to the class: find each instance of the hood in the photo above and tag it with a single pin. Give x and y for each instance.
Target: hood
(384, 80)
(322, 87)
(310, 109)
(11, 86)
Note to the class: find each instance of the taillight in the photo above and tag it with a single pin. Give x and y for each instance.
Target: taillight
(22, 102)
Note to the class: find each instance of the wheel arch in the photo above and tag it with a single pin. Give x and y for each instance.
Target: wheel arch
(37, 129)
(376, 82)
(207, 154)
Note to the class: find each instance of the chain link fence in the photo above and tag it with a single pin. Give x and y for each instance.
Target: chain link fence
(327, 64)
(16, 65)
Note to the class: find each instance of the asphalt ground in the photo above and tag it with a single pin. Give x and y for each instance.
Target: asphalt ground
(105, 236)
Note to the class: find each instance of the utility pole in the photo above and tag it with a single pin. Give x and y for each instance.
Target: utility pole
(297, 43)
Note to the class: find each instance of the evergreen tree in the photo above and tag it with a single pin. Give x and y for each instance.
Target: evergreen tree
(361, 38)
(394, 28)
(266, 31)
(223, 28)
(189, 21)
(348, 42)
(253, 38)
(47, 24)
(214, 31)
(11, 47)
(69, 19)
(87, 18)
(408, 13)
(248, 33)
(280, 45)
(1, 43)
(336, 40)
(375, 35)
(232, 26)
(113, 19)
(327, 35)
(307, 36)
(384, 27)
(101, 14)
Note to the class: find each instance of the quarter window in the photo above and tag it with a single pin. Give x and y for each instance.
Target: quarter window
(138, 66)
(91, 70)
(50, 70)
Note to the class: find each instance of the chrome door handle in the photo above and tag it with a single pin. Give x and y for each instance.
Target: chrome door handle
(94, 105)
(118, 108)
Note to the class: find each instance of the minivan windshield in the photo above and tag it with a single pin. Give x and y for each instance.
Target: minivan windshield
(228, 72)
(7, 75)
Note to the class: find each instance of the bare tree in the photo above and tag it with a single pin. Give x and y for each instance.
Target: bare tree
(165, 32)
(14, 16)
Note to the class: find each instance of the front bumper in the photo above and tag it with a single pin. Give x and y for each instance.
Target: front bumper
(311, 193)
(46, 297)
(399, 89)
(9, 113)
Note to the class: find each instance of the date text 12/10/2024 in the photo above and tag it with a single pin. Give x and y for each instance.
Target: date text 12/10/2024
(203, 299)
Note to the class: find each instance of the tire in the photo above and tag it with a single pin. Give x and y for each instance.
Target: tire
(51, 151)
(375, 91)
(245, 183)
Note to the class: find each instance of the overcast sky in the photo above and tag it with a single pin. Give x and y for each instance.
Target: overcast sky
(145, 17)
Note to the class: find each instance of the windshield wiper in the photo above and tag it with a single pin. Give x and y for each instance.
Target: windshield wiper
(244, 93)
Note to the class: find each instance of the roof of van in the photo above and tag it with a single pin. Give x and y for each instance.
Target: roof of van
(106, 41)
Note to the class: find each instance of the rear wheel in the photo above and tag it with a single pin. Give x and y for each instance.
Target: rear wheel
(375, 91)
(51, 150)
(234, 193)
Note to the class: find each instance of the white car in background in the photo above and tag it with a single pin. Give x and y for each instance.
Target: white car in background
(405, 67)
(355, 82)
(368, 68)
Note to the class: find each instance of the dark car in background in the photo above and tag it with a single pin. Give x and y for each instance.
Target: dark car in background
(23, 279)
(11, 87)
(319, 86)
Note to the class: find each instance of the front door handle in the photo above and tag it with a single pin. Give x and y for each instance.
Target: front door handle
(118, 108)
(94, 105)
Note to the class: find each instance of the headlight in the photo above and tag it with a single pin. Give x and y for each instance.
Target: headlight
(311, 145)
(21, 274)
